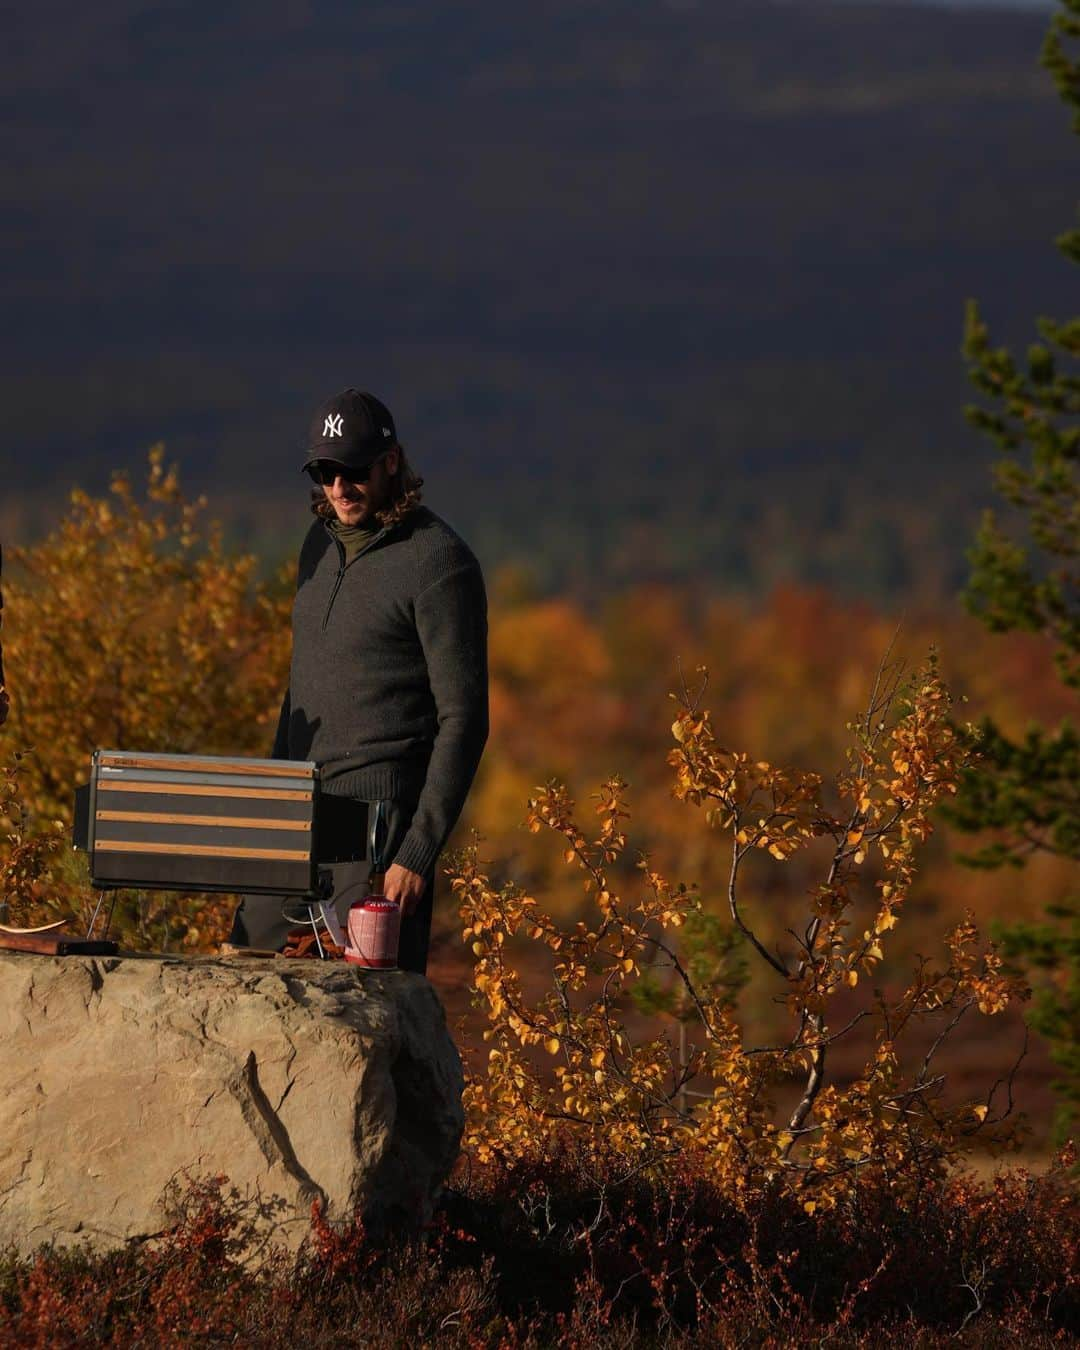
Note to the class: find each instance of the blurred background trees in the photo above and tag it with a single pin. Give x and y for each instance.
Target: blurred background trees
(667, 291)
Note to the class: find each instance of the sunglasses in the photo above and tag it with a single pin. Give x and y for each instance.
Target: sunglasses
(324, 471)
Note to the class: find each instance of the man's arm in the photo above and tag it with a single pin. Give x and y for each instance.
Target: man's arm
(451, 621)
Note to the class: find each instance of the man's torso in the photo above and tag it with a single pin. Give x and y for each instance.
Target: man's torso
(360, 694)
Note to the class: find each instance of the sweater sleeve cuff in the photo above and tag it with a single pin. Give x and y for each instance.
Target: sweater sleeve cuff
(417, 854)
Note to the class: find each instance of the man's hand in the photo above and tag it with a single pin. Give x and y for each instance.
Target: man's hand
(406, 887)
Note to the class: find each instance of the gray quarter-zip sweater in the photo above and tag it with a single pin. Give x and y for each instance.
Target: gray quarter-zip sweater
(388, 685)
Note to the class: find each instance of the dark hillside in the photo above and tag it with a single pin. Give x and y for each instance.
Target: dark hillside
(651, 289)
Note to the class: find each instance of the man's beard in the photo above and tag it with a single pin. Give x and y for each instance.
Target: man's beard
(360, 510)
(375, 497)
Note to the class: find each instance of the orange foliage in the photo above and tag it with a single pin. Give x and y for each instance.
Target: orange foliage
(629, 1099)
(132, 624)
(132, 627)
(786, 672)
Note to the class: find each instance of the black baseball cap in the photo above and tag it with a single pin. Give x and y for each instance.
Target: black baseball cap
(352, 428)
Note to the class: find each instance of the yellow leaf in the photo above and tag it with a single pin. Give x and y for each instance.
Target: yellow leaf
(551, 1045)
(852, 978)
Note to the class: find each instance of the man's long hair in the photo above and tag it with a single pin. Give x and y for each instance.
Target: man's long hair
(405, 494)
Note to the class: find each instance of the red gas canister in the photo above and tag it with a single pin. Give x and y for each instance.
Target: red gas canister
(373, 930)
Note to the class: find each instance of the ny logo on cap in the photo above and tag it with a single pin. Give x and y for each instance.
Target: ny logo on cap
(332, 425)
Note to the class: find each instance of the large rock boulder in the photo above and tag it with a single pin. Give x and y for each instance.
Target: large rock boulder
(298, 1080)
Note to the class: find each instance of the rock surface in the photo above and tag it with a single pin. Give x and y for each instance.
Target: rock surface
(298, 1080)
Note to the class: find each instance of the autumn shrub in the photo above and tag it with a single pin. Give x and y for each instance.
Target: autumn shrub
(635, 1098)
(530, 1257)
(679, 1256)
(133, 626)
(27, 852)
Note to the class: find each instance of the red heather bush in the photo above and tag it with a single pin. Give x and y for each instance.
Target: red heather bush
(555, 1252)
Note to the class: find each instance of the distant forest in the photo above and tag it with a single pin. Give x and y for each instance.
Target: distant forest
(655, 292)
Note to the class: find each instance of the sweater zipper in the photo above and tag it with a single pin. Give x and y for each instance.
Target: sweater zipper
(337, 581)
(341, 570)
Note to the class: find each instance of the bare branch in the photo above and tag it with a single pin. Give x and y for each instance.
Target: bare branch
(691, 704)
(814, 1082)
(1008, 1081)
(733, 903)
(677, 966)
(944, 1034)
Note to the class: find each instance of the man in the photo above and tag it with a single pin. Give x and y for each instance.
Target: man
(388, 684)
